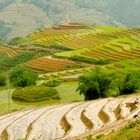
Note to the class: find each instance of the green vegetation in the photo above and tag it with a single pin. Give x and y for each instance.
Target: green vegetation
(94, 84)
(21, 77)
(114, 49)
(52, 83)
(60, 47)
(35, 94)
(20, 41)
(130, 132)
(99, 84)
(74, 67)
(15, 41)
(69, 54)
(130, 83)
(88, 60)
(67, 93)
(2, 80)
(8, 62)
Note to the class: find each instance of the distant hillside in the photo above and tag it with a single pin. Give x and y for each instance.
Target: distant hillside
(21, 17)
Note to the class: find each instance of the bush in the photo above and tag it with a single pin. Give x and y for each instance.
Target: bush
(89, 60)
(52, 83)
(98, 84)
(60, 47)
(74, 67)
(130, 83)
(2, 80)
(16, 41)
(95, 84)
(21, 77)
(35, 94)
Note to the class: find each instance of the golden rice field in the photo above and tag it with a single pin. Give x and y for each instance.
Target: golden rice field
(98, 42)
(49, 64)
(9, 51)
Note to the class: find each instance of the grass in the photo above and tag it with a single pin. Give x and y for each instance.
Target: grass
(109, 28)
(68, 54)
(67, 93)
(123, 66)
(67, 90)
(129, 132)
(7, 62)
(35, 94)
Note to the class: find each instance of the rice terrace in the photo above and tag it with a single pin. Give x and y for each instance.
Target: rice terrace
(69, 70)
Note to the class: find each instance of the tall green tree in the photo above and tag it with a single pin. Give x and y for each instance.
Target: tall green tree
(94, 84)
(22, 77)
(130, 82)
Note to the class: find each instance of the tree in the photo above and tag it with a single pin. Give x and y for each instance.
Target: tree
(94, 84)
(130, 82)
(22, 77)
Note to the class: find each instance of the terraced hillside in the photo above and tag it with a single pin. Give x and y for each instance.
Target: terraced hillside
(64, 53)
(69, 121)
(9, 51)
(93, 42)
(48, 64)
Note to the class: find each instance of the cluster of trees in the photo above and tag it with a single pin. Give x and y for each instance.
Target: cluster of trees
(27, 89)
(100, 84)
(22, 77)
(94, 84)
(19, 77)
(24, 81)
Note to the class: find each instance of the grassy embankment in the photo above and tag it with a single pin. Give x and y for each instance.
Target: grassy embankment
(129, 132)
(67, 92)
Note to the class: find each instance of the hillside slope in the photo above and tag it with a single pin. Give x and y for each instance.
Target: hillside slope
(20, 17)
(69, 120)
(23, 18)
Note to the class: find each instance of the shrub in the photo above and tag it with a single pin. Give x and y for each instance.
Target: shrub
(2, 80)
(124, 84)
(52, 83)
(60, 47)
(16, 41)
(74, 67)
(94, 84)
(21, 77)
(130, 83)
(98, 84)
(35, 94)
(82, 59)
(89, 60)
